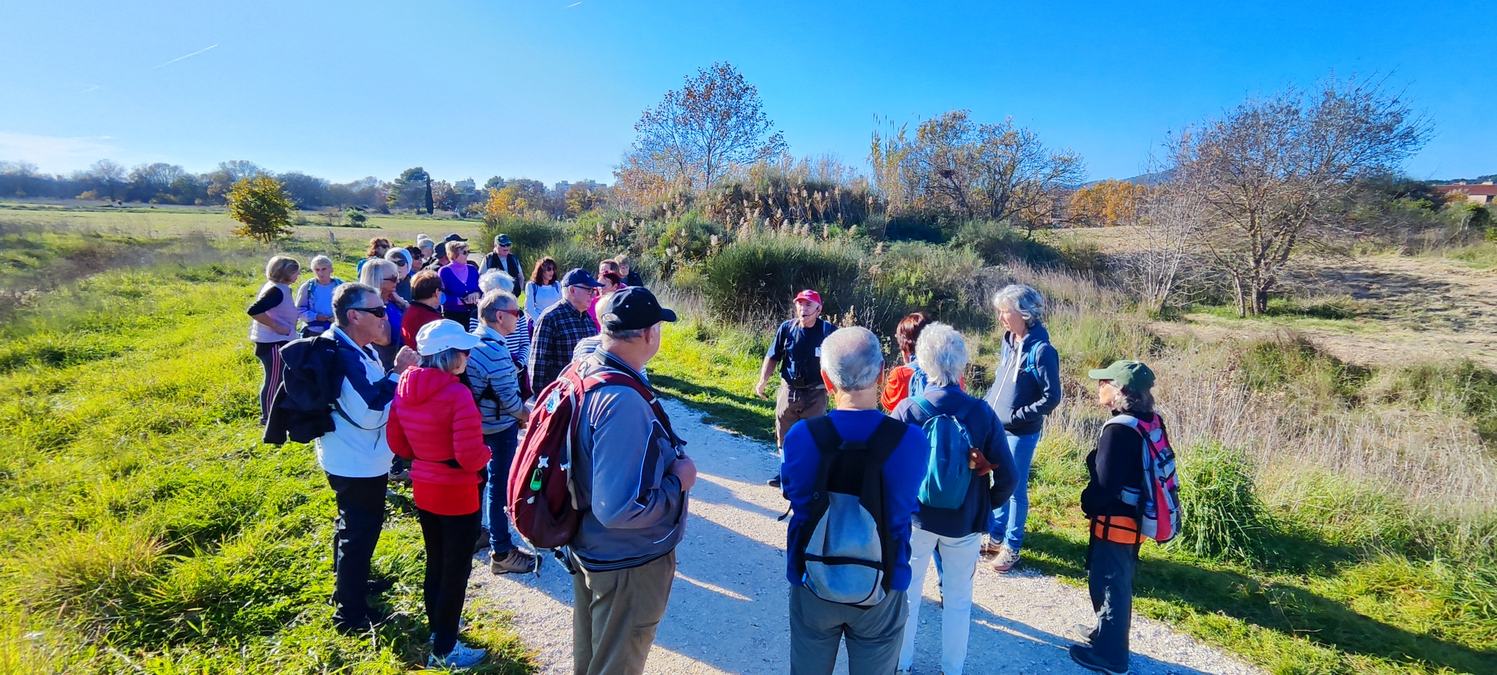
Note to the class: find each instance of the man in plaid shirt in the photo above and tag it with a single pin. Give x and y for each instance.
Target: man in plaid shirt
(561, 327)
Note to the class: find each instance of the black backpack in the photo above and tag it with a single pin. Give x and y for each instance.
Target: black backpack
(311, 380)
(847, 553)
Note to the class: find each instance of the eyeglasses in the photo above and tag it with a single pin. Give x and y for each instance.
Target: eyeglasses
(512, 312)
(392, 279)
(377, 311)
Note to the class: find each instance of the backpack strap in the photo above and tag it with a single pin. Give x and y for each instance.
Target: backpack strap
(1132, 496)
(926, 406)
(886, 438)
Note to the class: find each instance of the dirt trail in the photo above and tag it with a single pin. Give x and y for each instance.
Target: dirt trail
(728, 605)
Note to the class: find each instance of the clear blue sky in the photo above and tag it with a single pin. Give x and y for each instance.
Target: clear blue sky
(551, 89)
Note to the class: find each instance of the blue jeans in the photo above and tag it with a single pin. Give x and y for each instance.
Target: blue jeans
(502, 447)
(1008, 519)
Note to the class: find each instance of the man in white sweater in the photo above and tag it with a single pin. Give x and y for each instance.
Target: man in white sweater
(355, 455)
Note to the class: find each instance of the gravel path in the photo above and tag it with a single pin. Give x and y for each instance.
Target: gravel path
(728, 606)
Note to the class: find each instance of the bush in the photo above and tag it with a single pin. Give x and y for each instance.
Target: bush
(756, 277)
(687, 240)
(354, 218)
(1223, 517)
(530, 236)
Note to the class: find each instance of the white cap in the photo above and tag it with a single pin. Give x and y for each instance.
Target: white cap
(439, 336)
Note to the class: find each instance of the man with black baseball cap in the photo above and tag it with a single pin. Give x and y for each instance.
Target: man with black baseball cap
(634, 513)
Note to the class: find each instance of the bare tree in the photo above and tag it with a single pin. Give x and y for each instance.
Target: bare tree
(1170, 220)
(973, 170)
(700, 131)
(1279, 173)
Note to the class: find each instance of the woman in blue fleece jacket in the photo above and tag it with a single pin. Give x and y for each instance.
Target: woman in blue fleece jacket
(1026, 387)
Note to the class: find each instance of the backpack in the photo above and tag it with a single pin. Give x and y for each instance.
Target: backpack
(302, 406)
(947, 474)
(847, 552)
(488, 387)
(918, 381)
(539, 493)
(1159, 501)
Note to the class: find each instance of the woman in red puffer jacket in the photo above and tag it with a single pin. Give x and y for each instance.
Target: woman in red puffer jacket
(435, 423)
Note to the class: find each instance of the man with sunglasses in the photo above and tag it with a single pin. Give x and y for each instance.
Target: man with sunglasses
(355, 454)
(561, 327)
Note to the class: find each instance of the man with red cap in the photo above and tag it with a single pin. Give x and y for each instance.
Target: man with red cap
(797, 350)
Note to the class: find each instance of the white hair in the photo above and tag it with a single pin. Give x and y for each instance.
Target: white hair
(942, 353)
(495, 280)
(852, 358)
(374, 272)
(320, 259)
(1024, 300)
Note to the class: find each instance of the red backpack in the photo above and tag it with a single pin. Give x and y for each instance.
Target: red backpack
(1159, 501)
(539, 495)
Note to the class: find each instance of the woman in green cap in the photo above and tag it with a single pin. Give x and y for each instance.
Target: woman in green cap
(1111, 503)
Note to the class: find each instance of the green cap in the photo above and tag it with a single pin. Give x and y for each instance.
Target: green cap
(1131, 374)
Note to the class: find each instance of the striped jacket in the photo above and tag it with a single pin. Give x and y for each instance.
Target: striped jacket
(495, 383)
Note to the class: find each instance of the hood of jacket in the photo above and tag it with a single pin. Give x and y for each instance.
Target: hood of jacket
(421, 385)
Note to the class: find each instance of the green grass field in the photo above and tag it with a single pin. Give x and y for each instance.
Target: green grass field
(146, 528)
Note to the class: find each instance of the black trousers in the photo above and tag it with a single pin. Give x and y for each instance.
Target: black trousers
(269, 354)
(361, 515)
(1109, 576)
(449, 560)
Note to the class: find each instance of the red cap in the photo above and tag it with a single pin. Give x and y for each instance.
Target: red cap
(809, 296)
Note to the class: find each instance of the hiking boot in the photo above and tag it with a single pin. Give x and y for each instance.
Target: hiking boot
(1087, 658)
(461, 656)
(515, 561)
(1005, 560)
(773, 482)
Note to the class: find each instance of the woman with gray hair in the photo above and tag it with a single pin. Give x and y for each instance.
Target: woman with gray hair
(952, 524)
(1026, 387)
(383, 275)
(435, 423)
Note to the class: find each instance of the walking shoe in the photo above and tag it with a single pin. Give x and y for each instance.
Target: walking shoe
(990, 547)
(1087, 658)
(516, 561)
(461, 656)
(1006, 559)
(773, 482)
(1082, 632)
(483, 540)
(401, 476)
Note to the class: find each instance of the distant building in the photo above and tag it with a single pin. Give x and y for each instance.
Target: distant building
(1476, 193)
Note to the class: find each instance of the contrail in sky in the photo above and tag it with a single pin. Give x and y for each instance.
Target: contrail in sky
(186, 56)
(574, 4)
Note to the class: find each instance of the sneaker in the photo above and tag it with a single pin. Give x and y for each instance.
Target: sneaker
(461, 656)
(990, 547)
(1006, 559)
(1082, 632)
(773, 482)
(516, 561)
(401, 476)
(1087, 658)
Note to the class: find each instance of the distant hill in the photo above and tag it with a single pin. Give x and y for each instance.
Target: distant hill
(1142, 179)
(1478, 179)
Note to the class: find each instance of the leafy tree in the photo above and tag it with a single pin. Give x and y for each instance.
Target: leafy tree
(427, 201)
(409, 190)
(974, 170)
(1107, 203)
(354, 218)
(308, 192)
(261, 207)
(582, 198)
(493, 182)
(106, 179)
(443, 196)
(1279, 173)
(227, 174)
(696, 133)
(503, 203)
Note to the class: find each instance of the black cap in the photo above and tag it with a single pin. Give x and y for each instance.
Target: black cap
(453, 237)
(632, 308)
(579, 277)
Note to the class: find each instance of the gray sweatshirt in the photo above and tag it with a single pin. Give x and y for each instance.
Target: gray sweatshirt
(634, 511)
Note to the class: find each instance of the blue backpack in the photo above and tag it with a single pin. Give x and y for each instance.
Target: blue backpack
(947, 474)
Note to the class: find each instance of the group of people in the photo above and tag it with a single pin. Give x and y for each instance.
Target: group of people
(426, 369)
(443, 368)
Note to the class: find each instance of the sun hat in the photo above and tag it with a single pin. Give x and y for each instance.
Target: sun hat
(439, 336)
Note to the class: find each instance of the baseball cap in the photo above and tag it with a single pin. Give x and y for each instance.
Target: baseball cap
(633, 308)
(579, 277)
(808, 295)
(439, 336)
(453, 237)
(503, 240)
(1125, 373)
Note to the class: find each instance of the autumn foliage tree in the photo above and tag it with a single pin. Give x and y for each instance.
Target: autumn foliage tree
(1107, 203)
(505, 202)
(697, 133)
(261, 207)
(971, 169)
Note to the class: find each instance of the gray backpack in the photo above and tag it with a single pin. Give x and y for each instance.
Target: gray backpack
(847, 552)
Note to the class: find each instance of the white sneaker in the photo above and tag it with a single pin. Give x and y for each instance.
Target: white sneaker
(461, 656)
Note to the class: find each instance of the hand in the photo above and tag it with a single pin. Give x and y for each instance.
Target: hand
(524, 416)
(759, 388)
(686, 471)
(405, 358)
(286, 330)
(324, 318)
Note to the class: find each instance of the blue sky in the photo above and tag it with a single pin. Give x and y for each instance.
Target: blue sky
(551, 89)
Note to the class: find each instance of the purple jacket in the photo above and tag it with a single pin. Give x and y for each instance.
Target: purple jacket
(454, 289)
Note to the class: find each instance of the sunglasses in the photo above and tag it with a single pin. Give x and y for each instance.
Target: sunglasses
(512, 312)
(377, 311)
(392, 279)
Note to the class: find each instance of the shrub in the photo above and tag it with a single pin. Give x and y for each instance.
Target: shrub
(1297, 366)
(687, 240)
(756, 277)
(1223, 517)
(354, 218)
(530, 236)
